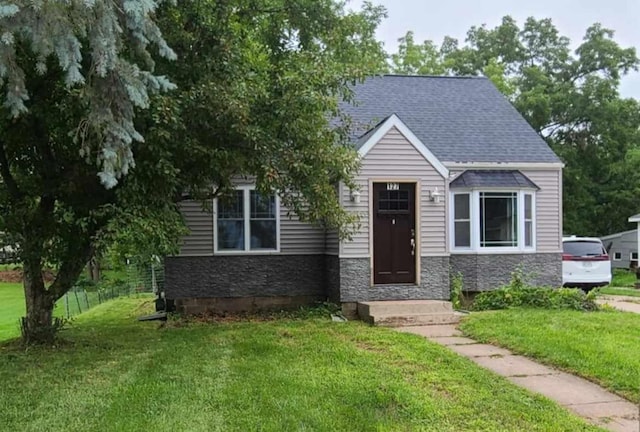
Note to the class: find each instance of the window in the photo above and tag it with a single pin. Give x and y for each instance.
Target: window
(393, 201)
(528, 220)
(617, 256)
(247, 221)
(633, 256)
(493, 220)
(462, 221)
(498, 219)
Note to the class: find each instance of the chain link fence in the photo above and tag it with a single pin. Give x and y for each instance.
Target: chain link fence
(135, 278)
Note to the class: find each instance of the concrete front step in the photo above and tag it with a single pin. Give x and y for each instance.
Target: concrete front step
(404, 320)
(403, 307)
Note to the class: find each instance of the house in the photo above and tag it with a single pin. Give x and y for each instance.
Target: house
(452, 180)
(622, 248)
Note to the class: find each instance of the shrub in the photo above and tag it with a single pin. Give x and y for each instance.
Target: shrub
(457, 295)
(517, 294)
(535, 297)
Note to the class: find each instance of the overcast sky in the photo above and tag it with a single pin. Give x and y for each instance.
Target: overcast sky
(430, 19)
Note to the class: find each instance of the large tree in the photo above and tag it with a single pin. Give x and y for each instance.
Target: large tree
(570, 97)
(93, 137)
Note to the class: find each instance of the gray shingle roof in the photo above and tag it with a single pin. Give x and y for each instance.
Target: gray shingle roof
(460, 119)
(492, 178)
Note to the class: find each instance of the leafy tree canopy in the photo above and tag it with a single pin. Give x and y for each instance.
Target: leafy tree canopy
(570, 97)
(96, 144)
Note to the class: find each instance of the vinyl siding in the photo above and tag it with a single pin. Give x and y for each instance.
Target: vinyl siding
(394, 158)
(548, 208)
(199, 241)
(332, 242)
(296, 238)
(625, 244)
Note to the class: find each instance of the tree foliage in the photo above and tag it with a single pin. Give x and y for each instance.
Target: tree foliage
(257, 82)
(570, 97)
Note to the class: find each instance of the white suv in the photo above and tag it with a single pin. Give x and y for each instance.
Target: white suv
(585, 263)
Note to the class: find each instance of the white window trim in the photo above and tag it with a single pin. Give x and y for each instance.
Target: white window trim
(246, 196)
(619, 254)
(474, 196)
(631, 258)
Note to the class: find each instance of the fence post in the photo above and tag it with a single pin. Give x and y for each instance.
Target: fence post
(86, 299)
(75, 293)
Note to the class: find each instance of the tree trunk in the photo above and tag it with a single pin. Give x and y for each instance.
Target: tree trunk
(94, 269)
(38, 325)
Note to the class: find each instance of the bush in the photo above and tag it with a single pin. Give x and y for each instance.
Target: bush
(544, 298)
(518, 294)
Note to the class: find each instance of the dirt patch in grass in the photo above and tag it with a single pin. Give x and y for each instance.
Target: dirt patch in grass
(16, 275)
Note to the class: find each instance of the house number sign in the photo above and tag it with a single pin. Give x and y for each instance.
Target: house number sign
(393, 186)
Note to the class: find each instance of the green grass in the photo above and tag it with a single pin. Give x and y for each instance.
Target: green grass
(601, 346)
(619, 291)
(117, 374)
(623, 278)
(11, 309)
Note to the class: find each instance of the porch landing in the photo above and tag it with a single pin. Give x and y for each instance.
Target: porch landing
(401, 313)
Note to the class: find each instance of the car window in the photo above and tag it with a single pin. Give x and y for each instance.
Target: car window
(582, 248)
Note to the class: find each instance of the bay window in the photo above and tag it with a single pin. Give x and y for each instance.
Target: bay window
(493, 220)
(246, 221)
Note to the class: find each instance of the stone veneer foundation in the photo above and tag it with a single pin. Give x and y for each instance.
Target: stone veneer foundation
(490, 271)
(250, 282)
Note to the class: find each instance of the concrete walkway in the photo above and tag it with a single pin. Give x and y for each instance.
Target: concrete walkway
(583, 397)
(623, 303)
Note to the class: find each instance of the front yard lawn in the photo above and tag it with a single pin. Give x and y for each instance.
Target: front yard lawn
(601, 346)
(116, 374)
(609, 290)
(12, 307)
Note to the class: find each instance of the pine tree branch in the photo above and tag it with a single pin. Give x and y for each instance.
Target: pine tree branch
(7, 177)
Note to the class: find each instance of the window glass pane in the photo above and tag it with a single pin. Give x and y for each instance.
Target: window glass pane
(461, 206)
(634, 256)
(462, 234)
(393, 200)
(528, 233)
(498, 219)
(232, 206)
(262, 224)
(582, 248)
(230, 234)
(263, 234)
(231, 222)
(262, 206)
(617, 256)
(527, 207)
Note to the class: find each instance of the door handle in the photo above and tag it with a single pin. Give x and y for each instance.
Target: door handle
(413, 247)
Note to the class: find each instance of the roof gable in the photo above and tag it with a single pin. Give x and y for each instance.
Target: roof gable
(373, 136)
(460, 119)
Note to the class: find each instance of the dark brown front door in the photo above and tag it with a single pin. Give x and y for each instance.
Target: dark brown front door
(394, 233)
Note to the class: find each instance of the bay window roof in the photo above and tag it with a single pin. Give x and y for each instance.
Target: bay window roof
(510, 179)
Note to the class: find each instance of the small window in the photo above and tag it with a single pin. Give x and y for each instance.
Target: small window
(634, 256)
(617, 256)
(393, 201)
(462, 220)
(247, 221)
(528, 220)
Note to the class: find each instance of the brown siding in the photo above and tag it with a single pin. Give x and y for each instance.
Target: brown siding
(394, 158)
